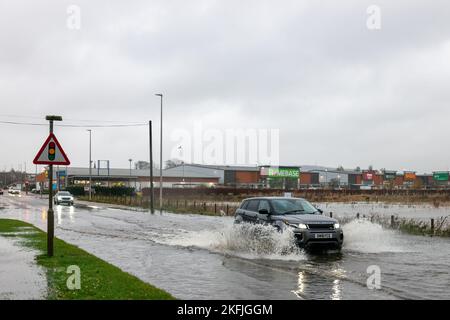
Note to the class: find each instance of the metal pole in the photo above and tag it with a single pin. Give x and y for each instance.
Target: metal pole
(160, 157)
(152, 207)
(160, 160)
(90, 164)
(129, 181)
(50, 216)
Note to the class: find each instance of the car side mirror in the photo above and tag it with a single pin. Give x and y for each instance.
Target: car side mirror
(263, 211)
(320, 210)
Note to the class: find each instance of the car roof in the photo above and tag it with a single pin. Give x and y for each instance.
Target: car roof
(271, 198)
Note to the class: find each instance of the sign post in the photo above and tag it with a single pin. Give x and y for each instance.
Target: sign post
(51, 154)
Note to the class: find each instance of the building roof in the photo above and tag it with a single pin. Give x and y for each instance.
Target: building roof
(218, 167)
(125, 173)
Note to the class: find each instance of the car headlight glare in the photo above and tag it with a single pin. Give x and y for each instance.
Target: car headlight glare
(300, 226)
(337, 225)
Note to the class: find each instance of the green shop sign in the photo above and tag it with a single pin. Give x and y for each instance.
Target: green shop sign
(280, 172)
(441, 176)
(390, 175)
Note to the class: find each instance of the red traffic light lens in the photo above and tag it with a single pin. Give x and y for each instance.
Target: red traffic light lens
(51, 151)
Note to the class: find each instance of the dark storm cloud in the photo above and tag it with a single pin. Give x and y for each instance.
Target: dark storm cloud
(338, 92)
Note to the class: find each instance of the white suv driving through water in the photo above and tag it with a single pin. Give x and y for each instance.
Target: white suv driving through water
(63, 197)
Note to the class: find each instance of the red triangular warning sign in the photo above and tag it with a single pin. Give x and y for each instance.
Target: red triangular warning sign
(51, 152)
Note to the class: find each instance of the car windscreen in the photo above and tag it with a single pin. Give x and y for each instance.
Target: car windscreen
(63, 193)
(293, 206)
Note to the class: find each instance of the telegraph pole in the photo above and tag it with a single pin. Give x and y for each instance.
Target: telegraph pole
(152, 206)
(50, 215)
(160, 156)
(90, 164)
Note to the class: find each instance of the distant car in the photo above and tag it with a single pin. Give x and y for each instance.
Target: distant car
(311, 229)
(13, 191)
(63, 197)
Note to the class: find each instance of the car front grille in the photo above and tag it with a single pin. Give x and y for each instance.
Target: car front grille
(321, 226)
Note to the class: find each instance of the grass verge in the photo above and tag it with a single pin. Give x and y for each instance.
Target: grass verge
(99, 279)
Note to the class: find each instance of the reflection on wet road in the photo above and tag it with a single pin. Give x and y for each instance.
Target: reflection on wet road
(201, 257)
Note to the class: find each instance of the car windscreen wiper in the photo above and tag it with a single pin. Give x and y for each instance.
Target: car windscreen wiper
(294, 211)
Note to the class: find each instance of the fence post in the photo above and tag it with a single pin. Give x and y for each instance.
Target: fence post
(357, 215)
(392, 221)
(215, 208)
(227, 210)
(432, 226)
(331, 214)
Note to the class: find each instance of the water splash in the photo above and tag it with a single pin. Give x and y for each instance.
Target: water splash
(365, 236)
(244, 240)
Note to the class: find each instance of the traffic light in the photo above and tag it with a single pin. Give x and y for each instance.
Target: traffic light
(51, 151)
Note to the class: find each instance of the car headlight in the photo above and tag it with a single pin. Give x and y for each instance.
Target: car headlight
(300, 226)
(337, 225)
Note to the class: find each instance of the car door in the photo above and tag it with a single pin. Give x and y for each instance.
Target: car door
(251, 211)
(263, 218)
(240, 212)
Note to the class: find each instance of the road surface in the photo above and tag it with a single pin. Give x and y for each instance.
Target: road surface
(203, 257)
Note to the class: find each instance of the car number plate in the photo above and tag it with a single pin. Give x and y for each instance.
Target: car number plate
(323, 235)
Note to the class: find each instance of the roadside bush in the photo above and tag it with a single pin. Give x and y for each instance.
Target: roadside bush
(114, 191)
(76, 190)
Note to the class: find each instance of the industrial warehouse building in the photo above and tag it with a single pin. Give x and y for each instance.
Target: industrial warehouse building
(137, 179)
(282, 177)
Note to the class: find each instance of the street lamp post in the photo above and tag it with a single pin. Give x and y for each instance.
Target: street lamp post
(129, 182)
(160, 155)
(182, 162)
(90, 164)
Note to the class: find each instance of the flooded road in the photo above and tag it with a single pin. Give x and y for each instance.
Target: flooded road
(20, 277)
(202, 257)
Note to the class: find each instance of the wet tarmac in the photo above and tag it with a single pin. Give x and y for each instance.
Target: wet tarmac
(20, 277)
(203, 257)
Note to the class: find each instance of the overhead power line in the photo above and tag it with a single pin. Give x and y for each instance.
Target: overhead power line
(67, 119)
(76, 125)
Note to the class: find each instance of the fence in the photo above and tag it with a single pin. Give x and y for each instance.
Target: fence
(435, 226)
(176, 205)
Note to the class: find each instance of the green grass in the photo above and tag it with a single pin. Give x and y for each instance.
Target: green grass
(99, 279)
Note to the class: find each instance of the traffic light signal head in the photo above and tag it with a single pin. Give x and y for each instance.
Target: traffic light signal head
(51, 151)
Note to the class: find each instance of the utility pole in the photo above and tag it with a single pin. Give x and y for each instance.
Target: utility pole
(160, 156)
(90, 164)
(129, 181)
(50, 215)
(152, 199)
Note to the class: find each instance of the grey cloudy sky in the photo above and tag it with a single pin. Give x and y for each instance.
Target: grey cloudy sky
(340, 94)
